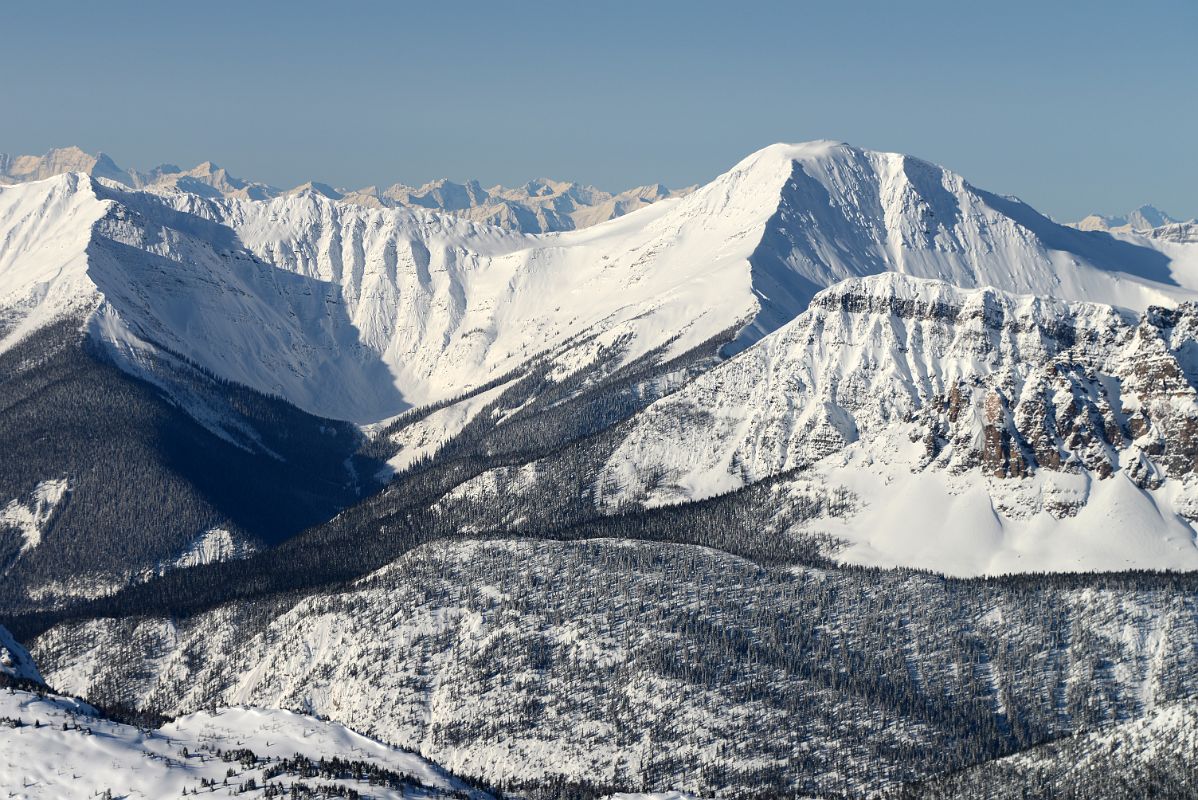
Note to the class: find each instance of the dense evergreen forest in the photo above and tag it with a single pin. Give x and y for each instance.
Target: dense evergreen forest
(146, 476)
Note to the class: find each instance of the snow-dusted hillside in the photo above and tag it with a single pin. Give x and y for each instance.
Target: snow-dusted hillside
(1149, 757)
(651, 667)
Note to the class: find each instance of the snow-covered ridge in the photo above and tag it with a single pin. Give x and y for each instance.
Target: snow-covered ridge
(868, 353)
(344, 311)
(360, 313)
(538, 206)
(1144, 218)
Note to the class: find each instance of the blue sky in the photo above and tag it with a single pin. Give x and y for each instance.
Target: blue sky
(1074, 106)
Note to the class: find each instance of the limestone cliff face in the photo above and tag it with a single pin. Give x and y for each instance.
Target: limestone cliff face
(1001, 385)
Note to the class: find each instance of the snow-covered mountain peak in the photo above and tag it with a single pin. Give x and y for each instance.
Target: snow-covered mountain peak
(844, 211)
(60, 160)
(1144, 218)
(315, 187)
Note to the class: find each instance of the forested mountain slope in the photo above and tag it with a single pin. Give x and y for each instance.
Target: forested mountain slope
(651, 666)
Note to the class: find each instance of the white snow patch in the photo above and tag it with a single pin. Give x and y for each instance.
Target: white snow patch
(210, 547)
(31, 516)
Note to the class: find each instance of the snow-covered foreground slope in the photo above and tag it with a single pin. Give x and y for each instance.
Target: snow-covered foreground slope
(53, 747)
(981, 432)
(359, 313)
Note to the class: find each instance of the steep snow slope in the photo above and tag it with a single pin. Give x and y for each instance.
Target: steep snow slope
(45, 231)
(982, 432)
(844, 212)
(371, 312)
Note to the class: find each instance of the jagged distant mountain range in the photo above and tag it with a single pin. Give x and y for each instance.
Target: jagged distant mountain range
(1144, 218)
(538, 206)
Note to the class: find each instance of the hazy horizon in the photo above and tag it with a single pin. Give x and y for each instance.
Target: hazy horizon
(1075, 113)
